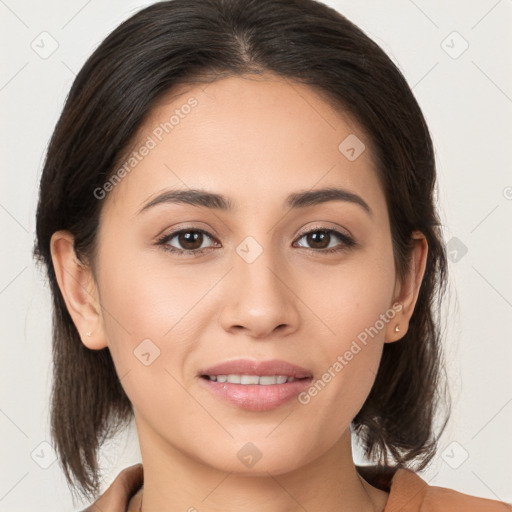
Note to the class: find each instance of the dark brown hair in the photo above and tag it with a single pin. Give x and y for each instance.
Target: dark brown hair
(306, 42)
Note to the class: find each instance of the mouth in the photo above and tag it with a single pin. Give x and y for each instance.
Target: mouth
(245, 380)
(248, 368)
(255, 385)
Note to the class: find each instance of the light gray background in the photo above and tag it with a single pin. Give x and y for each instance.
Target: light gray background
(467, 100)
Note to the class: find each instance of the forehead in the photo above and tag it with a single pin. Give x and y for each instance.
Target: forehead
(250, 136)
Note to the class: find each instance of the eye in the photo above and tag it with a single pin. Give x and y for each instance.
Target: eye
(320, 239)
(190, 242)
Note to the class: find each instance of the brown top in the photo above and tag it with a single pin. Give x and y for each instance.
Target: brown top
(408, 492)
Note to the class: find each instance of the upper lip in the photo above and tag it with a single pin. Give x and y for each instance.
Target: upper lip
(253, 367)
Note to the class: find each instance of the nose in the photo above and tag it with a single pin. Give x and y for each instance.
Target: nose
(260, 299)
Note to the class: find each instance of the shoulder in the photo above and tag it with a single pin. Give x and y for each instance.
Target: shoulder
(409, 492)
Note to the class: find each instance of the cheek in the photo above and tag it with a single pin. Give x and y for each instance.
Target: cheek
(143, 297)
(357, 307)
(351, 363)
(140, 309)
(153, 315)
(146, 326)
(357, 295)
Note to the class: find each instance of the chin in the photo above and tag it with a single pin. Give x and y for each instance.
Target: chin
(256, 458)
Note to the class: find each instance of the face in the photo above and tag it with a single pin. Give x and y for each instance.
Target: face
(274, 278)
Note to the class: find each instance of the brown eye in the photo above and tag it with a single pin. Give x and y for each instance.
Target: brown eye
(186, 241)
(191, 240)
(319, 240)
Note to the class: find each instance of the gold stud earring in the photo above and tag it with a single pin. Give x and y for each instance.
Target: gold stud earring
(397, 329)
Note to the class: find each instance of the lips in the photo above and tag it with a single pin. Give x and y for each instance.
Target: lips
(273, 367)
(255, 385)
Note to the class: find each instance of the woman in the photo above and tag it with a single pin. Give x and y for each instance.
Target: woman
(237, 218)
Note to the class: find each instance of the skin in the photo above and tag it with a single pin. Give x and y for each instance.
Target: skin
(116, 496)
(255, 140)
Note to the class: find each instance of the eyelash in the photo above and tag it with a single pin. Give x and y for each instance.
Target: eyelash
(347, 242)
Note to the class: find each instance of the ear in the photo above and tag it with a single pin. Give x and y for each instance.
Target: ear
(79, 290)
(407, 290)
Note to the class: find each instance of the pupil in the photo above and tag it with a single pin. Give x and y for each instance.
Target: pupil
(315, 239)
(189, 238)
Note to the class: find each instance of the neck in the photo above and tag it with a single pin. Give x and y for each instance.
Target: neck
(175, 481)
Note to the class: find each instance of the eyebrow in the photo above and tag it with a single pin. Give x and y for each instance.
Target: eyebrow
(198, 197)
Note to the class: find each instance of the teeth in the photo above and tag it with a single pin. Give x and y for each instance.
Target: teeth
(268, 379)
(249, 379)
(264, 380)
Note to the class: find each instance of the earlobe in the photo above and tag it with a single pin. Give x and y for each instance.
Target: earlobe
(407, 290)
(78, 289)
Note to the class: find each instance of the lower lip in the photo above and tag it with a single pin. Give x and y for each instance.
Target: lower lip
(256, 397)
